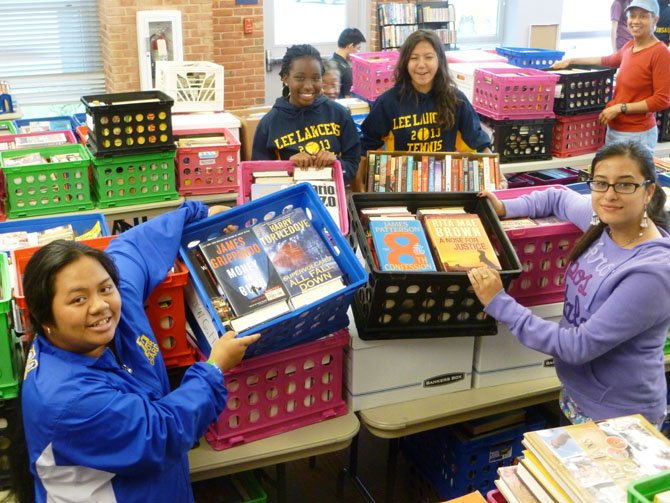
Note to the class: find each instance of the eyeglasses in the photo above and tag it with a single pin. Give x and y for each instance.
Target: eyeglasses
(619, 187)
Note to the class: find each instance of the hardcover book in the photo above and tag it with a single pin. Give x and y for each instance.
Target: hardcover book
(512, 487)
(597, 461)
(304, 263)
(327, 191)
(211, 286)
(460, 242)
(401, 245)
(246, 277)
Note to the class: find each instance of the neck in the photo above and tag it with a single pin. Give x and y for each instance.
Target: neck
(342, 52)
(625, 238)
(644, 41)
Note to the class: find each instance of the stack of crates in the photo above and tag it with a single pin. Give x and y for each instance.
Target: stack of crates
(372, 73)
(132, 148)
(516, 105)
(581, 93)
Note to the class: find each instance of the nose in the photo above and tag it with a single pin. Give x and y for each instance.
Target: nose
(98, 304)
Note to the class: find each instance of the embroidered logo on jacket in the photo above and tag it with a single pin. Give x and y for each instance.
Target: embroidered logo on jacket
(31, 363)
(149, 347)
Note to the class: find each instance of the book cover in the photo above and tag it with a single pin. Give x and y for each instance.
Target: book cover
(300, 174)
(263, 189)
(327, 191)
(304, 263)
(538, 472)
(597, 461)
(401, 245)
(460, 242)
(512, 487)
(210, 285)
(537, 492)
(246, 277)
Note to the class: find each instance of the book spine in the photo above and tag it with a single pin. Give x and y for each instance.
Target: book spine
(410, 172)
(382, 173)
(372, 159)
(438, 175)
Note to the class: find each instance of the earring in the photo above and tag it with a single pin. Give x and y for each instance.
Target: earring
(595, 220)
(48, 331)
(645, 219)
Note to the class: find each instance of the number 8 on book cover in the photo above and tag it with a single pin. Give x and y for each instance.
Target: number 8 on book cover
(401, 245)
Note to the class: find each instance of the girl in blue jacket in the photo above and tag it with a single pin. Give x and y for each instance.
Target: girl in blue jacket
(304, 126)
(100, 421)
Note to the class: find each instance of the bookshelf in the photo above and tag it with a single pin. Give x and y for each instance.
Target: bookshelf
(440, 17)
(396, 22)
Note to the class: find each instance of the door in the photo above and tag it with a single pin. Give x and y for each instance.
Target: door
(315, 22)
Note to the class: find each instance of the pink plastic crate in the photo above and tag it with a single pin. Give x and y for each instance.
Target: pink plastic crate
(543, 252)
(207, 169)
(501, 93)
(245, 179)
(495, 496)
(282, 391)
(372, 72)
(577, 134)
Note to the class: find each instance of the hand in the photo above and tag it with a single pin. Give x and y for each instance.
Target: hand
(560, 65)
(502, 184)
(486, 283)
(497, 204)
(216, 209)
(609, 114)
(302, 160)
(324, 158)
(229, 349)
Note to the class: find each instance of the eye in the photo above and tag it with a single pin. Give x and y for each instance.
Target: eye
(625, 186)
(107, 288)
(79, 300)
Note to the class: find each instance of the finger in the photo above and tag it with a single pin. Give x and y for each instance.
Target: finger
(247, 340)
(230, 334)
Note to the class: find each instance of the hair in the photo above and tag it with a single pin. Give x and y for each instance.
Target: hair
(296, 52)
(39, 279)
(444, 88)
(645, 161)
(330, 66)
(350, 36)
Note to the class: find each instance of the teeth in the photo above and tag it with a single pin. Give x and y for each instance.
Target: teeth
(101, 322)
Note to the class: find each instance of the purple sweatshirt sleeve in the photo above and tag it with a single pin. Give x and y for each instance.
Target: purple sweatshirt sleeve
(566, 204)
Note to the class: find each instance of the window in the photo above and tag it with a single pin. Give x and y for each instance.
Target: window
(585, 28)
(295, 21)
(478, 22)
(51, 51)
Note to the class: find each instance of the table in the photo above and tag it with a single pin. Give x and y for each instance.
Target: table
(320, 438)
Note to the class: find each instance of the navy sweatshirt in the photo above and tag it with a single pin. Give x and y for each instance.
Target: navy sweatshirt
(325, 125)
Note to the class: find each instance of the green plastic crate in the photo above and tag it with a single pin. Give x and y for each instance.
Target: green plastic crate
(134, 179)
(252, 486)
(7, 127)
(47, 188)
(9, 353)
(644, 490)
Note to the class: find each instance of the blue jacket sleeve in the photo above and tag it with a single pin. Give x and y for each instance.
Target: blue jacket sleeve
(375, 126)
(565, 204)
(351, 148)
(127, 433)
(470, 126)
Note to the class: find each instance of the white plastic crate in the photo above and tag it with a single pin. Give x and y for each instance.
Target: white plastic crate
(195, 86)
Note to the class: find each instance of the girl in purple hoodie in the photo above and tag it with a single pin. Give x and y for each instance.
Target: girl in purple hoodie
(608, 347)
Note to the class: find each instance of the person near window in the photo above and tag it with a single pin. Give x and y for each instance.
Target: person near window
(349, 42)
(619, 33)
(304, 126)
(663, 24)
(423, 111)
(643, 80)
(608, 347)
(100, 421)
(331, 79)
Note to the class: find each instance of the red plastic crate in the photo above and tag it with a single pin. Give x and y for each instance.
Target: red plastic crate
(166, 312)
(501, 93)
(495, 496)
(207, 169)
(245, 178)
(282, 391)
(372, 73)
(577, 134)
(156, 313)
(543, 252)
(82, 133)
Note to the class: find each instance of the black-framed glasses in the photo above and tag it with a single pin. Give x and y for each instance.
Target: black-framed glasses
(619, 187)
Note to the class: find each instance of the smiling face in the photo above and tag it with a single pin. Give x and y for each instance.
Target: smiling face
(641, 23)
(620, 211)
(86, 308)
(422, 66)
(304, 81)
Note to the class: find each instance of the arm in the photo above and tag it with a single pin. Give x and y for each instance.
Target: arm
(615, 26)
(593, 60)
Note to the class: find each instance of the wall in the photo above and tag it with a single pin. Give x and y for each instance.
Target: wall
(520, 14)
(211, 30)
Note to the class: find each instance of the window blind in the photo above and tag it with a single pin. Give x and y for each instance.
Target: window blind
(50, 50)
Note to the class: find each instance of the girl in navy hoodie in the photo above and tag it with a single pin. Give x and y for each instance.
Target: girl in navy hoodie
(304, 126)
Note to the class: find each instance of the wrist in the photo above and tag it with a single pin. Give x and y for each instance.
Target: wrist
(215, 365)
(624, 108)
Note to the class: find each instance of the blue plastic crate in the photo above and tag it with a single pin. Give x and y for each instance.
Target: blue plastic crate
(79, 223)
(57, 123)
(579, 187)
(300, 325)
(456, 465)
(530, 58)
(79, 119)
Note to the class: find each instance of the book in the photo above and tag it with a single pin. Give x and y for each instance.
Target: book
(596, 461)
(288, 180)
(263, 189)
(537, 492)
(460, 242)
(246, 277)
(537, 471)
(209, 283)
(270, 173)
(305, 265)
(401, 245)
(300, 174)
(483, 425)
(518, 223)
(327, 191)
(512, 487)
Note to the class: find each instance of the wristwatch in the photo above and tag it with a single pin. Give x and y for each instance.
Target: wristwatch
(624, 108)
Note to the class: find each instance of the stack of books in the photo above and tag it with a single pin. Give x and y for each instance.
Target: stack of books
(585, 462)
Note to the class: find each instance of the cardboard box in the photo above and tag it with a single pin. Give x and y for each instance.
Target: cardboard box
(502, 359)
(249, 119)
(383, 372)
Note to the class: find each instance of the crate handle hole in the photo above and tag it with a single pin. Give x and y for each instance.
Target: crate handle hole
(233, 403)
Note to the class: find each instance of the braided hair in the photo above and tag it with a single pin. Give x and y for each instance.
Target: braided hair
(296, 52)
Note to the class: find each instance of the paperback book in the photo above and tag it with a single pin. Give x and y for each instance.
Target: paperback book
(401, 245)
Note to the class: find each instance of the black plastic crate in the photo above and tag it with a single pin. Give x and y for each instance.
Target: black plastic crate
(129, 123)
(520, 140)
(663, 123)
(398, 305)
(583, 91)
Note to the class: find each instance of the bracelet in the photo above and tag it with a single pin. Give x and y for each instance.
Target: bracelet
(215, 365)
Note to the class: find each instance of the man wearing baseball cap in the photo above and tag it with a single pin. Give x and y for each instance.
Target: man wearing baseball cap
(642, 82)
